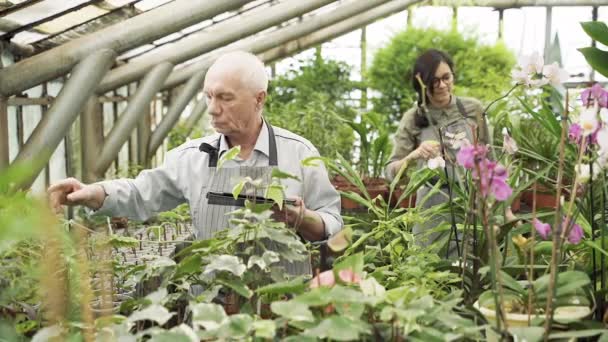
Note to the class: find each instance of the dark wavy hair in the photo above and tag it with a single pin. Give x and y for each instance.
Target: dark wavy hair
(426, 65)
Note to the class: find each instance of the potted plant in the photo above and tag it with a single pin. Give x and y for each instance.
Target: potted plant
(523, 303)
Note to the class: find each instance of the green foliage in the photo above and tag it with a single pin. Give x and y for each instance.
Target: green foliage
(310, 101)
(481, 71)
(179, 134)
(597, 58)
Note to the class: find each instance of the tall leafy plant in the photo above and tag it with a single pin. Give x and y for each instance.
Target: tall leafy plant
(312, 101)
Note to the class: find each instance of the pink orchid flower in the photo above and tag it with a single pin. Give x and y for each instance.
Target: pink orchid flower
(543, 229)
(595, 93)
(327, 278)
(575, 132)
(576, 234)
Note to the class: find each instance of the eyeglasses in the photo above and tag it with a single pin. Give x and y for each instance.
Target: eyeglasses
(447, 79)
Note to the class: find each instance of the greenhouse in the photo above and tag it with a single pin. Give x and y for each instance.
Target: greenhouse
(319, 170)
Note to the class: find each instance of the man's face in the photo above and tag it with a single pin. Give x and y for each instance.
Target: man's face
(231, 104)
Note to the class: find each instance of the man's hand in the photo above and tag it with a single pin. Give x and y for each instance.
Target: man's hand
(291, 215)
(71, 191)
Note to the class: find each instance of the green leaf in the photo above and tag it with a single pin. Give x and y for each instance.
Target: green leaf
(237, 327)
(190, 265)
(275, 193)
(276, 173)
(577, 334)
(265, 328)
(292, 310)
(228, 263)
(293, 286)
(528, 334)
(371, 287)
(157, 296)
(353, 262)
(238, 188)
(119, 241)
(155, 312)
(340, 241)
(208, 316)
(161, 262)
(48, 334)
(316, 297)
(596, 58)
(237, 285)
(170, 336)
(597, 30)
(338, 328)
(511, 283)
(229, 155)
(312, 161)
(595, 246)
(268, 258)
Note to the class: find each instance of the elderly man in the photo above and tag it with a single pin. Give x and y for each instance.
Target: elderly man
(235, 90)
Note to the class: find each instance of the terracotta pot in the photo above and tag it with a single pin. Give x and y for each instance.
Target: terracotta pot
(516, 204)
(376, 187)
(231, 303)
(545, 197)
(515, 320)
(408, 202)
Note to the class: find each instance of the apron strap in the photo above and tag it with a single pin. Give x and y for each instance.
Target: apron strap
(213, 151)
(272, 146)
(461, 108)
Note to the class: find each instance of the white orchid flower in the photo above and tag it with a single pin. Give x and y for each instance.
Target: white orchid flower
(583, 171)
(602, 141)
(554, 74)
(588, 120)
(436, 163)
(604, 115)
(521, 77)
(509, 145)
(531, 64)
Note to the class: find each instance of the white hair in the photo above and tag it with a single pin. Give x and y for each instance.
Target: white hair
(250, 68)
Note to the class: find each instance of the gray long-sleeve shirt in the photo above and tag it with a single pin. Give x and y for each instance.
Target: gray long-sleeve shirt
(183, 178)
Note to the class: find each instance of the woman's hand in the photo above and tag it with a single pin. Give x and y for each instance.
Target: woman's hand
(427, 150)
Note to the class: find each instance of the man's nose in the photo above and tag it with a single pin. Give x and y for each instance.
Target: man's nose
(212, 107)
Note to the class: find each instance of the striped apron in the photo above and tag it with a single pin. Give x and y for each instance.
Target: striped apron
(448, 130)
(213, 217)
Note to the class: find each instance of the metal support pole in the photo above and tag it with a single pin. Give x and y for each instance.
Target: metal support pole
(519, 3)
(4, 150)
(128, 34)
(143, 137)
(195, 116)
(335, 30)
(548, 22)
(4, 139)
(363, 103)
(175, 111)
(454, 18)
(267, 41)
(129, 118)
(501, 23)
(91, 138)
(53, 127)
(219, 35)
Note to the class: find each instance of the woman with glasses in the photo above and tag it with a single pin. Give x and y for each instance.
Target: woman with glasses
(436, 126)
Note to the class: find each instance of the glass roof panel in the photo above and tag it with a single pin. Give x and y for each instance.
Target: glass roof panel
(72, 19)
(42, 10)
(27, 37)
(150, 4)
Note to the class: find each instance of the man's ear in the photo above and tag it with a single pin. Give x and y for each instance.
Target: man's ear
(260, 99)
